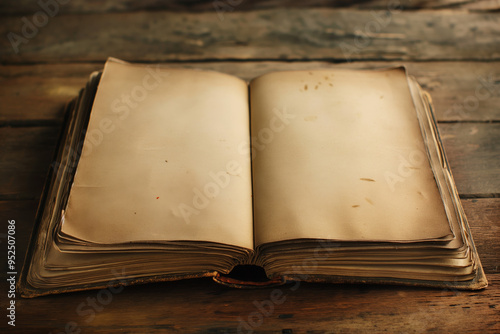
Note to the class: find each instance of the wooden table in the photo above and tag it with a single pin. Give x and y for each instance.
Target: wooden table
(451, 46)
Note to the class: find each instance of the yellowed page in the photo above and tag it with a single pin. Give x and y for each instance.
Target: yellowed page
(339, 155)
(160, 160)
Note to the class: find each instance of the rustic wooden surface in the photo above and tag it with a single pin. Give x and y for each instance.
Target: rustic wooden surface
(282, 33)
(451, 46)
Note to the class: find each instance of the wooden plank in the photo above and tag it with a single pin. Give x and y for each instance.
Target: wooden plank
(12, 7)
(319, 307)
(461, 91)
(473, 151)
(26, 155)
(40, 92)
(484, 220)
(279, 34)
(23, 212)
(316, 308)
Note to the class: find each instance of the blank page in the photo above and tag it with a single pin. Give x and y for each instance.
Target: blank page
(160, 160)
(339, 155)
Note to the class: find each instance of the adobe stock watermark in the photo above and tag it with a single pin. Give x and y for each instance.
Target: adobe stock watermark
(122, 106)
(221, 179)
(363, 36)
(202, 197)
(406, 168)
(485, 89)
(88, 309)
(224, 6)
(32, 25)
(265, 136)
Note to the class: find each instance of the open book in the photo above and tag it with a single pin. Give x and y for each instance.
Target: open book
(326, 175)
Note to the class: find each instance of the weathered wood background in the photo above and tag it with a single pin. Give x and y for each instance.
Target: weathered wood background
(452, 47)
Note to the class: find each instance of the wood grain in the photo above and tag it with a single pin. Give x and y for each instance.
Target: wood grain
(37, 94)
(484, 220)
(27, 153)
(203, 307)
(473, 152)
(12, 7)
(279, 34)
(449, 45)
(314, 307)
(461, 91)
